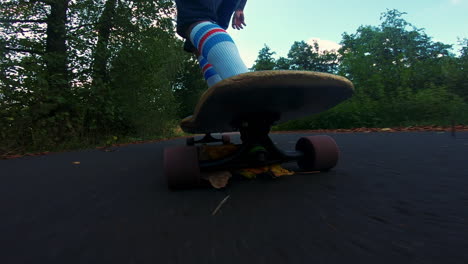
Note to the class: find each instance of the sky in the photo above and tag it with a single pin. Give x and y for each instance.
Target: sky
(278, 23)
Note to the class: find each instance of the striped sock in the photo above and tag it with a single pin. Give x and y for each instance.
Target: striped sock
(211, 76)
(215, 44)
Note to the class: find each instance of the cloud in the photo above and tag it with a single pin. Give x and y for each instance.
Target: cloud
(325, 44)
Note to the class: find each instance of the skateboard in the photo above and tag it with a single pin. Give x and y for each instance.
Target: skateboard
(251, 103)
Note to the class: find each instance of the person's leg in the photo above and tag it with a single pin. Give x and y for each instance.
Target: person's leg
(217, 46)
(190, 13)
(210, 75)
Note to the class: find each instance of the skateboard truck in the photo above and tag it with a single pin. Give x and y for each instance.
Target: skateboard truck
(257, 149)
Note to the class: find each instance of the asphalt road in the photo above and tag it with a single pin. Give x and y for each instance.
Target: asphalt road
(393, 198)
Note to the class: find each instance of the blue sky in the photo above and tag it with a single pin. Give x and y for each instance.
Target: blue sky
(279, 23)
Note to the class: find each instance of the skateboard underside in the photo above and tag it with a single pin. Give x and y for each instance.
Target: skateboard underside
(277, 95)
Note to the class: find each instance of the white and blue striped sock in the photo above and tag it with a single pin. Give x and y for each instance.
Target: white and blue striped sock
(215, 44)
(211, 76)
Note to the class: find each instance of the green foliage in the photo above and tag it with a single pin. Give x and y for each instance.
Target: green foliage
(265, 60)
(282, 64)
(380, 60)
(432, 106)
(122, 61)
(301, 56)
(189, 86)
(142, 77)
(305, 57)
(401, 77)
(457, 72)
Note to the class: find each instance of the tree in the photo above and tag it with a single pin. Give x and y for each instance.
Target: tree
(101, 53)
(283, 64)
(303, 56)
(265, 60)
(142, 78)
(188, 87)
(36, 74)
(460, 86)
(127, 29)
(27, 25)
(394, 56)
(56, 57)
(56, 47)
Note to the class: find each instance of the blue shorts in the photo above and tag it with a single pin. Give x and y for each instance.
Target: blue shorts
(192, 11)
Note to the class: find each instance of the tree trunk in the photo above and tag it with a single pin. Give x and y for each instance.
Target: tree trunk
(101, 54)
(56, 46)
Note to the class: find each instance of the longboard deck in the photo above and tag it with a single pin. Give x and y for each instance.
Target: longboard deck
(286, 94)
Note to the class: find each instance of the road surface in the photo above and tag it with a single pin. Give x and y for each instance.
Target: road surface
(393, 198)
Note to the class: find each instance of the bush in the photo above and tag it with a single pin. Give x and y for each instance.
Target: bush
(431, 106)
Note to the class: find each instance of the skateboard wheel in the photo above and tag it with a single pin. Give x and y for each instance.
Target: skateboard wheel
(190, 141)
(321, 153)
(181, 167)
(226, 139)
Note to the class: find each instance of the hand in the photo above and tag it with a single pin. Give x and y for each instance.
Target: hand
(238, 21)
